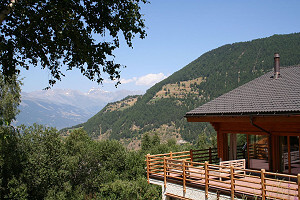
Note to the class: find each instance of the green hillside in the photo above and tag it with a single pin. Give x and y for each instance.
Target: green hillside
(163, 106)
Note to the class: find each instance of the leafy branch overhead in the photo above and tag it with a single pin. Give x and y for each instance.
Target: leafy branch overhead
(73, 33)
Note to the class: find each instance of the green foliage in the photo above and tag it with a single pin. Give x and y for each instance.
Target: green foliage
(66, 193)
(224, 69)
(11, 158)
(10, 154)
(76, 34)
(152, 145)
(17, 190)
(205, 141)
(155, 139)
(10, 98)
(146, 142)
(37, 163)
(123, 190)
(44, 164)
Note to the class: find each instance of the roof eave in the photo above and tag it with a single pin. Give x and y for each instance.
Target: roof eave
(272, 113)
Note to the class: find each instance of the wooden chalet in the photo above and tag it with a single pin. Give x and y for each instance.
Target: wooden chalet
(267, 110)
(265, 113)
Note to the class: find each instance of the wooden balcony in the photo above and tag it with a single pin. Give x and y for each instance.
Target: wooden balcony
(182, 168)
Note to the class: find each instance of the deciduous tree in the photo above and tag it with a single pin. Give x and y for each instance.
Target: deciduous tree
(55, 34)
(9, 99)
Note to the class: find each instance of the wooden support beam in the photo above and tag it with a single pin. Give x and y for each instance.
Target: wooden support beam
(289, 153)
(225, 146)
(270, 153)
(233, 147)
(248, 152)
(276, 128)
(299, 144)
(220, 144)
(276, 157)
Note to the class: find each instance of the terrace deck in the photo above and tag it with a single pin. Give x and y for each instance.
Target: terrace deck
(208, 177)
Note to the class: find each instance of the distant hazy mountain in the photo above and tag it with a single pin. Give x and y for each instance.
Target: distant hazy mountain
(63, 107)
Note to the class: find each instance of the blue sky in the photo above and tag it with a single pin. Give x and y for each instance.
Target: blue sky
(179, 31)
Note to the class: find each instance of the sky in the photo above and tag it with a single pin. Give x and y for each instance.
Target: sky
(178, 32)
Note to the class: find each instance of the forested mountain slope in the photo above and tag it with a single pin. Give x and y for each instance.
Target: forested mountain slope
(162, 108)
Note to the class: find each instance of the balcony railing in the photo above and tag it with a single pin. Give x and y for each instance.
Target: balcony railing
(181, 168)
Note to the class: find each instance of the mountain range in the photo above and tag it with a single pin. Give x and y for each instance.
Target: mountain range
(62, 108)
(162, 108)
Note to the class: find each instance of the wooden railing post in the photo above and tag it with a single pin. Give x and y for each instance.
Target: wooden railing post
(191, 156)
(148, 167)
(183, 176)
(263, 189)
(209, 153)
(232, 181)
(298, 181)
(165, 171)
(206, 179)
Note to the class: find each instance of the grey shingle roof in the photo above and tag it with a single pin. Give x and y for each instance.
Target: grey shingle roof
(263, 95)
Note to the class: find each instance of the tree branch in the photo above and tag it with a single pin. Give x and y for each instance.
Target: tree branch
(6, 11)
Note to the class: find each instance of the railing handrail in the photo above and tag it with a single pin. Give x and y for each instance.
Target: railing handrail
(255, 182)
(205, 149)
(165, 154)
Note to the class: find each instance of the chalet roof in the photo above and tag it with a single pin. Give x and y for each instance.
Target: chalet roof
(261, 96)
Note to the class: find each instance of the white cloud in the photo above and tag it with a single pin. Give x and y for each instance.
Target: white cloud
(150, 79)
(124, 81)
(109, 81)
(147, 80)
